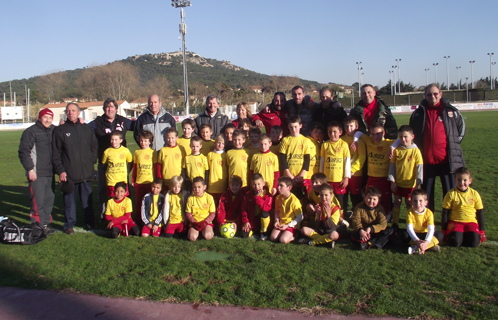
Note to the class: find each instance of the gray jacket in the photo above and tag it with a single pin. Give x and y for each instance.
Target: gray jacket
(155, 124)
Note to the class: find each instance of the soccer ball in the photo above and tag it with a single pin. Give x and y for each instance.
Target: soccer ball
(228, 230)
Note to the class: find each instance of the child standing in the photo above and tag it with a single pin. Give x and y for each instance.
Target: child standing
(144, 166)
(229, 209)
(152, 210)
(206, 131)
(288, 212)
(238, 158)
(316, 139)
(200, 211)
(255, 208)
(420, 225)
(276, 137)
(188, 127)
(174, 208)
(118, 213)
(463, 216)
(335, 161)
(218, 169)
(196, 164)
(266, 163)
(369, 222)
(116, 160)
(228, 132)
(405, 171)
(170, 158)
(254, 134)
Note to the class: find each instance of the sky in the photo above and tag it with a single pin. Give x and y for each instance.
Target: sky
(317, 40)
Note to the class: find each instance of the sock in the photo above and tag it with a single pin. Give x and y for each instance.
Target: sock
(321, 240)
(314, 235)
(395, 212)
(265, 222)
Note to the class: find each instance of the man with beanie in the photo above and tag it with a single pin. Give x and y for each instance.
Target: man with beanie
(35, 153)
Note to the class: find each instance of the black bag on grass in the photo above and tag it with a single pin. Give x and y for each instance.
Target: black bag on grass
(28, 234)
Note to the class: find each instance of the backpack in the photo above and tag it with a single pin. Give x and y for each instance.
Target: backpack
(28, 234)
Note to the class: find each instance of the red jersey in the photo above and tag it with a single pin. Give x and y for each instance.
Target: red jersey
(229, 207)
(435, 141)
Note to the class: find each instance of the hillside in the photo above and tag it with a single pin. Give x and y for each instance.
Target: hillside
(139, 75)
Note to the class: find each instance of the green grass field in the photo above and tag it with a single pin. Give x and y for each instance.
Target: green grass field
(458, 283)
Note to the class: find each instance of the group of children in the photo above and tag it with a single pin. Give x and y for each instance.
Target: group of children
(285, 188)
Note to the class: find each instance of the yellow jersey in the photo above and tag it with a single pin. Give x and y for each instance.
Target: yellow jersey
(238, 164)
(196, 166)
(116, 161)
(200, 207)
(266, 164)
(144, 160)
(463, 205)
(218, 172)
(295, 148)
(420, 221)
(171, 160)
(334, 155)
(287, 209)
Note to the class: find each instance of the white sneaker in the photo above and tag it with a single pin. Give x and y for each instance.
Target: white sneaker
(263, 237)
(413, 249)
(333, 244)
(436, 248)
(344, 222)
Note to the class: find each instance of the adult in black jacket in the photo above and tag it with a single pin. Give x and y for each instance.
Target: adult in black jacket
(328, 110)
(213, 116)
(103, 126)
(372, 109)
(439, 129)
(35, 153)
(74, 154)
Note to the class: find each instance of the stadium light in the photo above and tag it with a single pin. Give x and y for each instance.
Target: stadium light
(447, 73)
(458, 70)
(435, 69)
(394, 70)
(426, 77)
(472, 71)
(399, 76)
(183, 31)
(359, 78)
(491, 68)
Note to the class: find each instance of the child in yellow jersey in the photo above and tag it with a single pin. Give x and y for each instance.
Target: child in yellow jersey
(316, 139)
(206, 131)
(420, 230)
(254, 134)
(295, 157)
(406, 170)
(288, 212)
(188, 127)
(144, 167)
(228, 133)
(170, 158)
(265, 163)
(118, 213)
(329, 217)
(378, 153)
(174, 208)
(358, 157)
(463, 216)
(151, 211)
(276, 135)
(200, 211)
(238, 158)
(196, 164)
(255, 208)
(335, 161)
(218, 169)
(116, 160)
(245, 125)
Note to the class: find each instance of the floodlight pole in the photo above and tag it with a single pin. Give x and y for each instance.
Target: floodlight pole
(391, 80)
(491, 69)
(467, 85)
(183, 31)
(472, 71)
(447, 72)
(426, 77)
(435, 69)
(359, 78)
(399, 76)
(394, 71)
(458, 70)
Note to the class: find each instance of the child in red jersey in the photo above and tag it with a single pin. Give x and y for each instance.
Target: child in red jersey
(255, 208)
(229, 209)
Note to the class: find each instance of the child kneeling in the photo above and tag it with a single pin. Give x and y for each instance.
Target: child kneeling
(255, 208)
(118, 213)
(174, 208)
(369, 222)
(288, 212)
(200, 211)
(152, 210)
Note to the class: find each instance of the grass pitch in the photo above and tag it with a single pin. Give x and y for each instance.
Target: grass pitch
(458, 283)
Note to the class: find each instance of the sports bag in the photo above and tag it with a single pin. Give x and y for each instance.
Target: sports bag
(28, 234)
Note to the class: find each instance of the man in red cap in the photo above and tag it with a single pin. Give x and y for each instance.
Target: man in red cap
(35, 152)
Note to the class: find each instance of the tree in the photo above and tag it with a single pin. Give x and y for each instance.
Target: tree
(52, 85)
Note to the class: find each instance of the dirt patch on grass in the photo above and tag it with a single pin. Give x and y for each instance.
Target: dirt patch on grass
(176, 280)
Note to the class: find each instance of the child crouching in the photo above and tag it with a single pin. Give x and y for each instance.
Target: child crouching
(118, 213)
(152, 210)
(174, 208)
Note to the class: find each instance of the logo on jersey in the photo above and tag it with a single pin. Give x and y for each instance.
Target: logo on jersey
(300, 147)
(121, 156)
(409, 158)
(107, 130)
(146, 157)
(205, 206)
(177, 156)
(68, 134)
(220, 162)
(471, 201)
(243, 158)
(440, 119)
(450, 114)
(199, 164)
(379, 148)
(337, 150)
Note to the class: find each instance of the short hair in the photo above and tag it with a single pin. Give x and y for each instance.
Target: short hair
(211, 97)
(199, 179)
(322, 90)
(319, 177)
(255, 130)
(376, 125)
(158, 97)
(419, 192)
(236, 179)
(238, 132)
(120, 185)
(297, 87)
(189, 122)
(146, 134)
(158, 181)
(316, 125)
(463, 170)
(175, 180)
(245, 105)
(327, 187)
(110, 100)
(405, 128)
(242, 122)
(278, 129)
(350, 119)
(196, 139)
(285, 180)
(229, 126)
(432, 85)
(117, 133)
(295, 119)
(74, 104)
(373, 191)
(206, 125)
(281, 94)
(170, 130)
(367, 85)
(257, 176)
(264, 136)
(334, 124)
(219, 137)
